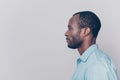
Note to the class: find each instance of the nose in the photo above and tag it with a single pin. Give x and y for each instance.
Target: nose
(66, 33)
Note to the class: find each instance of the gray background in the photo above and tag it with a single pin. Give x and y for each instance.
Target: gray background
(32, 41)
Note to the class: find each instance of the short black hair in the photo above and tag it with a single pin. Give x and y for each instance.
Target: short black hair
(91, 20)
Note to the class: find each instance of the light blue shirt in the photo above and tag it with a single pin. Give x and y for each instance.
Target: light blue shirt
(94, 64)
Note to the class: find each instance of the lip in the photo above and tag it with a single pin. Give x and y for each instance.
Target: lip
(67, 40)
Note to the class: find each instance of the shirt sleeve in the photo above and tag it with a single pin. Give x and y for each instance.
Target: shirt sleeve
(97, 72)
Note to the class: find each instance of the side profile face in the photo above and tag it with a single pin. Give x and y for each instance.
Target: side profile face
(73, 36)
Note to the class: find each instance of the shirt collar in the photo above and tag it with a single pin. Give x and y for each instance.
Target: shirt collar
(87, 53)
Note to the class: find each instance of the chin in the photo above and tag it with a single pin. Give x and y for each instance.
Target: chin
(72, 47)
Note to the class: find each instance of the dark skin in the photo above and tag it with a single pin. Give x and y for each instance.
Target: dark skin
(78, 38)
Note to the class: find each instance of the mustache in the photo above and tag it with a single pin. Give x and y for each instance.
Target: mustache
(67, 38)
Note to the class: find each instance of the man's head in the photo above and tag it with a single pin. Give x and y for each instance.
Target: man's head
(80, 26)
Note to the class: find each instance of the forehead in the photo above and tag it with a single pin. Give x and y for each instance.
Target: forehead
(74, 19)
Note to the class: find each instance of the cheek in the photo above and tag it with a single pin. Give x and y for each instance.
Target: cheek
(74, 37)
(77, 37)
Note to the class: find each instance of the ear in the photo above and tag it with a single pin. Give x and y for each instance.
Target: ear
(85, 31)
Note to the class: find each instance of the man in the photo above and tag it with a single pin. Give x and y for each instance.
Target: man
(93, 64)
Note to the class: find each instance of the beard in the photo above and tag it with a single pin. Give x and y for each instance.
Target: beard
(74, 43)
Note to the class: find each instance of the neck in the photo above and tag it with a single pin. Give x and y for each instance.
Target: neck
(86, 45)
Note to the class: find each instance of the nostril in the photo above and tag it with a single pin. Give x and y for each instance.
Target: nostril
(66, 33)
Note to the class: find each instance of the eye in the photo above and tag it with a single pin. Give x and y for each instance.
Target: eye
(69, 28)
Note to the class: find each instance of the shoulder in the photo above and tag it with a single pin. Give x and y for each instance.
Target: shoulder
(101, 58)
(96, 67)
(96, 72)
(100, 72)
(102, 68)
